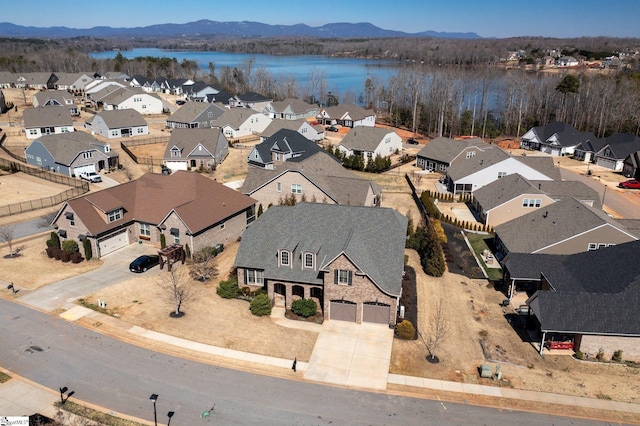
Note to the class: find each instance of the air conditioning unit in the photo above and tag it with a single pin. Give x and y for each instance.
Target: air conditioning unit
(401, 312)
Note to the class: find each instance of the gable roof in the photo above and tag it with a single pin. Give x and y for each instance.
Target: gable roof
(65, 147)
(444, 150)
(198, 201)
(118, 118)
(485, 157)
(356, 112)
(58, 95)
(365, 138)
(234, 117)
(57, 115)
(190, 111)
(188, 139)
(372, 238)
(287, 142)
(566, 135)
(253, 97)
(542, 163)
(621, 145)
(277, 125)
(295, 105)
(553, 224)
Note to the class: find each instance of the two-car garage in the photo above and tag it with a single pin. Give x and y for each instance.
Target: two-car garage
(343, 310)
(113, 242)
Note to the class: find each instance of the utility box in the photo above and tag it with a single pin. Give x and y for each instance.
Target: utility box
(486, 371)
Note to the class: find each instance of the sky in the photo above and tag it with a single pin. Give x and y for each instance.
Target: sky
(488, 18)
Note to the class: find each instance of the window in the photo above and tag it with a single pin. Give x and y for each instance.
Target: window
(144, 107)
(33, 131)
(254, 277)
(284, 258)
(140, 130)
(342, 277)
(278, 186)
(530, 202)
(209, 114)
(72, 221)
(175, 153)
(145, 229)
(114, 215)
(443, 167)
(296, 188)
(471, 154)
(501, 174)
(277, 156)
(176, 239)
(308, 260)
(86, 155)
(64, 130)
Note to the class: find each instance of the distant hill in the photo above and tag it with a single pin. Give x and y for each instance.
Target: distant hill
(234, 29)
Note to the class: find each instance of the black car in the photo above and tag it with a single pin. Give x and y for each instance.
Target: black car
(144, 262)
(180, 102)
(332, 129)
(412, 141)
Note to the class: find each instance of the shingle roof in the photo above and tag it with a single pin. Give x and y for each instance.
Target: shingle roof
(59, 95)
(288, 142)
(57, 115)
(556, 222)
(543, 164)
(199, 202)
(567, 135)
(65, 147)
(444, 150)
(297, 106)
(188, 139)
(354, 111)
(503, 190)
(621, 145)
(234, 117)
(190, 111)
(277, 125)
(484, 158)
(372, 238)
(321, 168)
(365, 138)
(119, 118)
(560, 190)
(253, 97)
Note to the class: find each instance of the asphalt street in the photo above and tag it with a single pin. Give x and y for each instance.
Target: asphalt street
(113, 374)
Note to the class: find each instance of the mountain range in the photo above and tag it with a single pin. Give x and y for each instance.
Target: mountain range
(230, 29)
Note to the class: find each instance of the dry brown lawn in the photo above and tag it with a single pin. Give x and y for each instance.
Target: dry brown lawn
(19, 187)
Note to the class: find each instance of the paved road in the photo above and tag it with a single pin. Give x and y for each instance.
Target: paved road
(113, 374)
(29, 227)
(624, 203)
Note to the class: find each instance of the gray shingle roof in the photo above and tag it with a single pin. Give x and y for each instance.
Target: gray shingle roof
(190, 111)
(65, 147)
(354, 111)
(372, 238)
(234, 117)
(297, 106)
(47, 116)
(119, 118)
(566, 134)
(552, 224)
(543, 164)
(444, 150)
(188, 139)
(365, 138)
(621, 145)
(484, 158)
(277, 125)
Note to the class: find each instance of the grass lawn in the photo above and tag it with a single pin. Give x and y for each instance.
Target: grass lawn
(479, 244)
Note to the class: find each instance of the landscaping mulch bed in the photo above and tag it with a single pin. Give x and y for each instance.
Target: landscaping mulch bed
(459, 258)
(409, 298)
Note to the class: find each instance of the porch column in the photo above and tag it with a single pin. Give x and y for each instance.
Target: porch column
(307, 292)
(544, 335)
(512, 288)
(287, 290)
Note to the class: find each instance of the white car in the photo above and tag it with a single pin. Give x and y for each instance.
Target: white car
(91, 177)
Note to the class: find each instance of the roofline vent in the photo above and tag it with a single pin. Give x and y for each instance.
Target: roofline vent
(545, 214)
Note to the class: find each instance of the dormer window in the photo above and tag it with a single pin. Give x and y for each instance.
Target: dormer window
(308, 260)
(114, 215)
(285, 258)
(86, 155)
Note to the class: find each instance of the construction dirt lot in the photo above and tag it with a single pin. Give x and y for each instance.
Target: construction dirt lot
(481, 331)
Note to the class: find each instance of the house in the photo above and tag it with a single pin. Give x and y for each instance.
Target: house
(479, 167)
(314, 176)
(7, 80)
(141, 82)
(590, 300)
(253, 100)
(71, 154)
(566, 61)
(349, 259)
(554, 138)
(514, 195)
(195, 148)
(284, 145)
(137, 99)
(290, 109)
(46, 121)
(97, 86)
(586, 151)
(438, 154)
(180, 208)
(564, 227)
(630, 167)
(119, 123)
(616, 149)
(347, 115)
(35, 80)
(370, 142)
(46, 98)
(311, 132)
(174, 85)
(222, 98)
(198, 91)
(72, 82)
(194, 115)
(238, 122)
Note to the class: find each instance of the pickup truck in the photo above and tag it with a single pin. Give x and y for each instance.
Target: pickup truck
(91, 177)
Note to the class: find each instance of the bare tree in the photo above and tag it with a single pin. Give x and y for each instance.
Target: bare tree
(177, 288)
(437, 331)
(6, 236)
(204, 265)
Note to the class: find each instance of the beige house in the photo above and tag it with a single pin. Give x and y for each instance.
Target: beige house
(330, 254)
(187, 208)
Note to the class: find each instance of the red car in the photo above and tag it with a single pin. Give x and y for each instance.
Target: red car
(630, 184)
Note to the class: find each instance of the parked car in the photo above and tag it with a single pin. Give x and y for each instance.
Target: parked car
(91, 177)
(166, 170)
(180, 102)
(332, 129)
(144, 262)
(630, 184)
(412, 141)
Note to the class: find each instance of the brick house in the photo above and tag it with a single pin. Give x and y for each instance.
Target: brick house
(187, 208)
(349, 259)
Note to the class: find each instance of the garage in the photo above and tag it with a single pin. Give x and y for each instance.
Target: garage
(342, 310)
(376, 312)
(84, 169)
(605, 162)
(113, 242)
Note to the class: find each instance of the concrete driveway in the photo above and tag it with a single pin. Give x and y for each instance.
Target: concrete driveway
(114, 270)
(351, 354)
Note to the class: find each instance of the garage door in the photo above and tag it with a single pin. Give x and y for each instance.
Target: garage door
(378, 313)
(114, 242)
(604, 162)
(342, 310)
(84, 169)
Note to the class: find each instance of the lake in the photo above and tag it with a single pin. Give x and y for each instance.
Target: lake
(341, 74)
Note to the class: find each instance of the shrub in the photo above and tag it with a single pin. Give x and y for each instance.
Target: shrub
(579, 355)
(163, 241)
(260, 305)
(50, 251)
(55, 240)
(304, 307)
(228, 289)
(600, 355)
(70, 246)
(65, 256)
(187, 251)
(76, 257)
(617, 356)
(57, 253)
(88, 252)
(405, 330)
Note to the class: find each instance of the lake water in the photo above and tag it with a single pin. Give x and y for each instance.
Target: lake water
(341, 74)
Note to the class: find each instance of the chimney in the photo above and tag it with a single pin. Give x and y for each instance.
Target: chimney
(545, 214)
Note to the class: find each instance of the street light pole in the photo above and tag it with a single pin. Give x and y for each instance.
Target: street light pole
(154, 398)
(604, 195)
(170, 414)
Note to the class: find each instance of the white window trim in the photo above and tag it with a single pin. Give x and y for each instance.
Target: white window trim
(281, 258)
(305, 256)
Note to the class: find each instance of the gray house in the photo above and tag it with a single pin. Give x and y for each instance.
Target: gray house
(49, 120)
(194, 115)
(349, 259)
(120, 123)
(438, 154)
(196, 148)
(71, 154)
(47, 98)
(555, 138)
